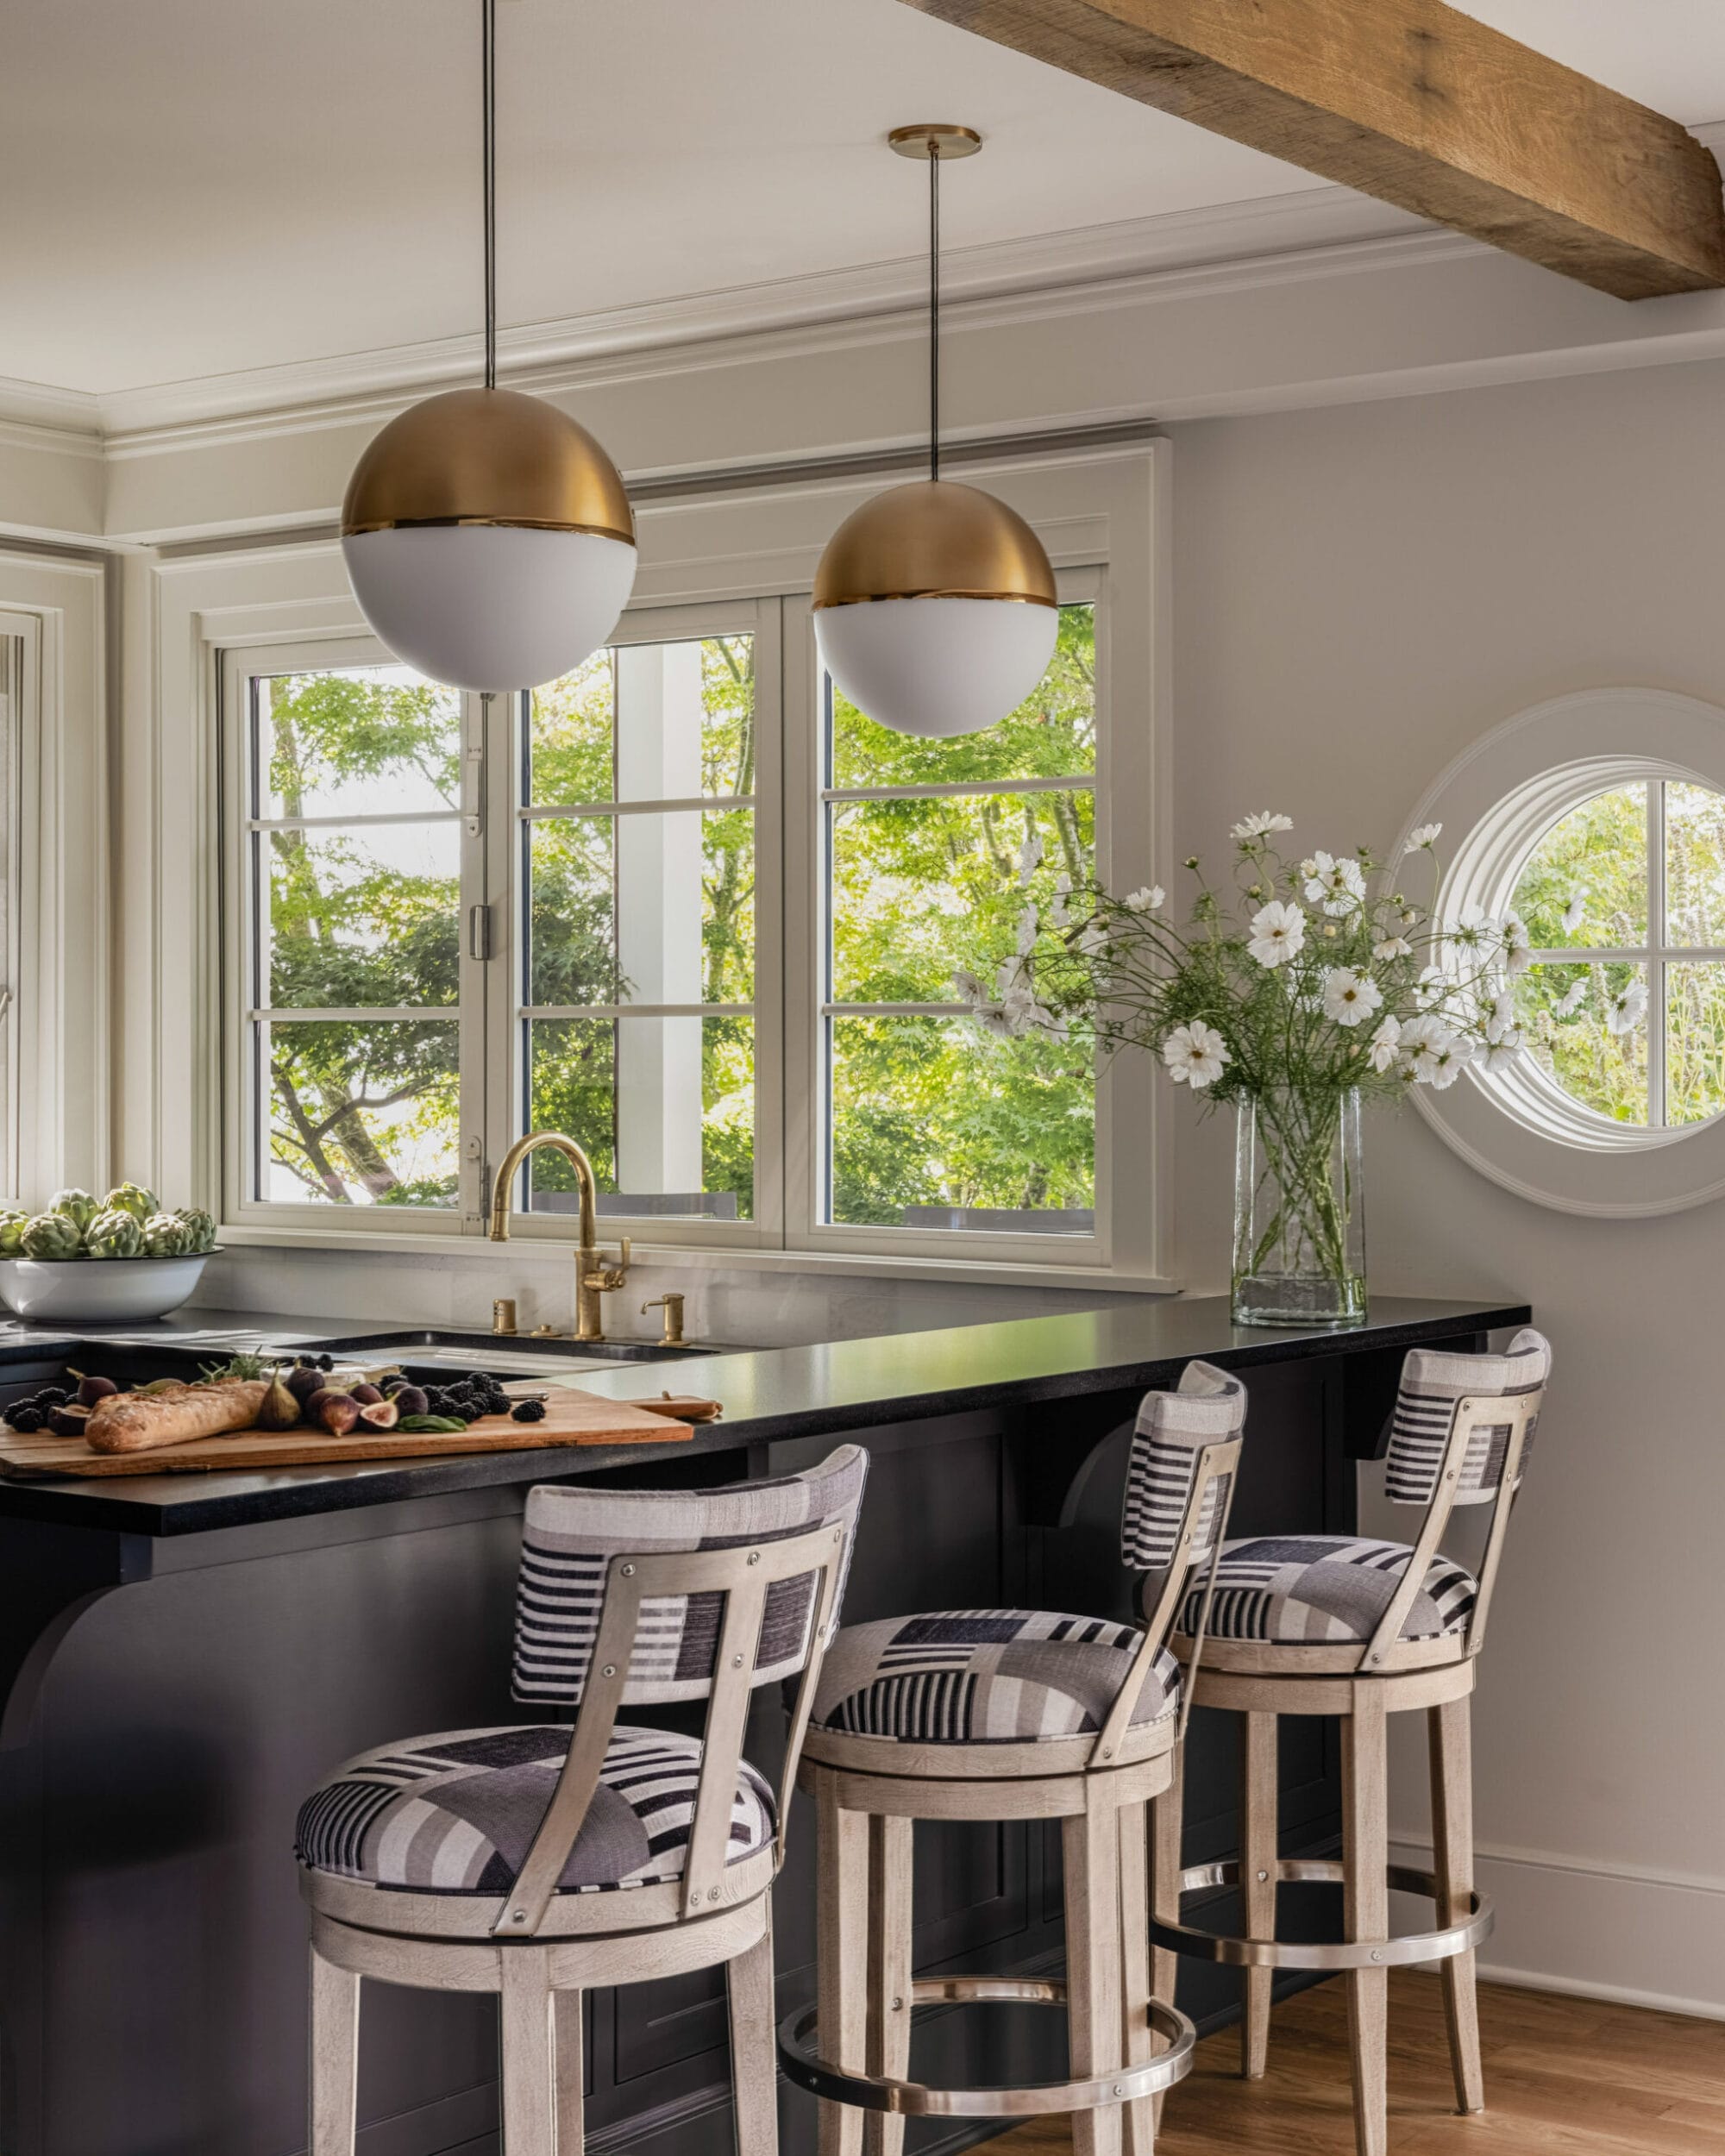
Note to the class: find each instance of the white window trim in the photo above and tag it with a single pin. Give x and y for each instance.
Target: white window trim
(1106, 507)
(1519, 1126)
(56, 1033)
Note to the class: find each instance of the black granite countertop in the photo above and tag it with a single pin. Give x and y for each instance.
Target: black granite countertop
(830, 1389)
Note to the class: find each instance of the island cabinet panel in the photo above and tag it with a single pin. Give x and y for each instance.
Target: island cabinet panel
(184, 1658)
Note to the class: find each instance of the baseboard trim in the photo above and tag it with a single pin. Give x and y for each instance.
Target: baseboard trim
(1622, 1934)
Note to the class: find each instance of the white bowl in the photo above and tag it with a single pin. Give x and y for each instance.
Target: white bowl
(88, 1290)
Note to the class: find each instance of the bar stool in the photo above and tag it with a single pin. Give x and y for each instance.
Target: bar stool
(538, 1862)
(1323, 1625)
(991, 1715)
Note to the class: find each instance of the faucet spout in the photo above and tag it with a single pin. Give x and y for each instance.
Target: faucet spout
(591, 1277)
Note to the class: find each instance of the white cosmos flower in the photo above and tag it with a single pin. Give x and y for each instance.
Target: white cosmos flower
(1194, 1054)
(1446, 1059)
(1350, 996)
(1472, 926)
(1340, 884)
(1028, 927)
(1504, 1048)
(1497, 1014)
(1146, 900)
(1572, 1000)
(969, 986)
(1518, 948)
(1278, 930)
(1625, 1010)
(1030, 856)
(1063, 890)
(1092, 939)
(1423, 1042)
(1419, 839)
(1386, 1043)
(1392, 946)
(1429, 987)
(1574, 911)
(1262, 825)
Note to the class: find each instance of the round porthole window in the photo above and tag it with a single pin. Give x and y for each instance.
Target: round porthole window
(1599, 821)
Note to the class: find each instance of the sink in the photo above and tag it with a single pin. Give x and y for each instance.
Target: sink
(454, 1349)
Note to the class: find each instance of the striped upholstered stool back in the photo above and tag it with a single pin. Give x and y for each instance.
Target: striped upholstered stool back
(1209, 1408)
(1432, 1383)
(572, 1533)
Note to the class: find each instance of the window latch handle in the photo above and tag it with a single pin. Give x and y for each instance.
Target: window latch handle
(479, 931)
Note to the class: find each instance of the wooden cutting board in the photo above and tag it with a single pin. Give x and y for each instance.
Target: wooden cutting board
(572, 1417)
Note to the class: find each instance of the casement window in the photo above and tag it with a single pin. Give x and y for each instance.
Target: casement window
(687, 907)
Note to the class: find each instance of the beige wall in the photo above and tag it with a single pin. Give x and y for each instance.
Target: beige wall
(1359, 594)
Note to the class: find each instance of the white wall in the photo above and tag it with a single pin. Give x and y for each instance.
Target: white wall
(1359, 594)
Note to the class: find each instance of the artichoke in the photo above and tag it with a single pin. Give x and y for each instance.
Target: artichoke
(115, 1234)
(166, 1235)
(76, 1206)
(51, 1235)
(201, 1225)
(131, 1198)
(12, 1226)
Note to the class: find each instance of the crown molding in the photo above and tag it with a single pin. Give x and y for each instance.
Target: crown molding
(35, 415)
(1250, 237)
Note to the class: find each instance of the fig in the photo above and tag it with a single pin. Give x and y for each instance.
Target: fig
(367, 1395)
(410, 1400)
(380, 1414)
(337, 1413)
(304, 1381)
(68, 1422)
(278, 1409)
(90, 1389)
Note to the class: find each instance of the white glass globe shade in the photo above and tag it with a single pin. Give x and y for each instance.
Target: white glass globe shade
(936, 666)
(490, 607)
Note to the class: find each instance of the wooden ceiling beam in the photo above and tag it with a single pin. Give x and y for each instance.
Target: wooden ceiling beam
(1414, 102)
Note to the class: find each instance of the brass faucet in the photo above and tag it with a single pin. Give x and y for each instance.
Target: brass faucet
(594, 1276)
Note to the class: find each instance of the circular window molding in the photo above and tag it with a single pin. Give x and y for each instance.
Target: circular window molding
(1519, 1126)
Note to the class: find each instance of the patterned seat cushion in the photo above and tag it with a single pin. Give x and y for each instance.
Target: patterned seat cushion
(985, 1677)
(1310, 1590)
(456, 1813)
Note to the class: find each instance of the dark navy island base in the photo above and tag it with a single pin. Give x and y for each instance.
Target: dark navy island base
(182, 1657)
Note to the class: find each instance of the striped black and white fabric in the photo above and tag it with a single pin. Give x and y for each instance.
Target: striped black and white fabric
(571, 1534)
(982, 1676)
(1310, 1590)
(1209, 1407)
(456, 1813)
(1432, 1383)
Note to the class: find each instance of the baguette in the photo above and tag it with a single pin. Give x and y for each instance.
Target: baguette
(139, 1422)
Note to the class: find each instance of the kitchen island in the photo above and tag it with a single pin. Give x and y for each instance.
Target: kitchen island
(183, 1656)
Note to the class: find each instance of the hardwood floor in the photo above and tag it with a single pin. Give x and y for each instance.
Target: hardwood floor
(1563, 2077)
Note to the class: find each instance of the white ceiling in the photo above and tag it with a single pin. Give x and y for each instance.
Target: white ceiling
(195, 187)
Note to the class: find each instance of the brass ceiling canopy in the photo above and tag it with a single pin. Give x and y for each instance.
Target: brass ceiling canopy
(935, 139)
(933, 539)
(486, 456)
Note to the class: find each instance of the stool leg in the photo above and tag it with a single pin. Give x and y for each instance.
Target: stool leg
(566, 2010)
(841, 1956)
(1450, 1737)
(1091, 1847)
(1365, 1893)
(1258, 1853)
(890, 1846)
(1165, 1841)
(530, 2054)
(335, 2057)
(1138, 2041)
(753, 2056)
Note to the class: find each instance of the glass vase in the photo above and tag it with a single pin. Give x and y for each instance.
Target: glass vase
(1299, 1211)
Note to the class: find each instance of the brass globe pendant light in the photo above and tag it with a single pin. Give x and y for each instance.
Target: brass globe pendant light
(488, 537)
(935, 606)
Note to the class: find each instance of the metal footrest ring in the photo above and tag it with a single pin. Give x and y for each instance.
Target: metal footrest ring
(878, 2093)
(1275, 1953)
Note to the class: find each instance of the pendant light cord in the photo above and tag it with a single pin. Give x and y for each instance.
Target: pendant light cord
(934, 310)
(488, 137)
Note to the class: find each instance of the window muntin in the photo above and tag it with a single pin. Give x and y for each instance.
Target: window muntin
(638, 974)
(929, 849)
(354, 866)
(1624, 1005)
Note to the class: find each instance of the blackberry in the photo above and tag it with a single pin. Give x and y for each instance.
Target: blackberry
(52, 1397)
(26, 1421)
(528, 1411)
(326, 1362)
